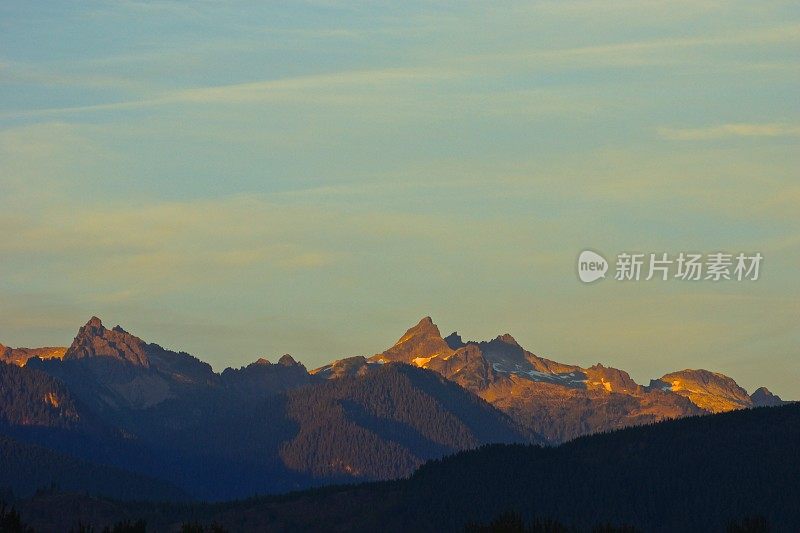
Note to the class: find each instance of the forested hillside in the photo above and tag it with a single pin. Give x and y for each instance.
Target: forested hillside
(694, 474)
(26, 468)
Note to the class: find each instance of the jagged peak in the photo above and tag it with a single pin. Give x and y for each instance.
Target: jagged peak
(94, 322)
(454, 341)
(287, 360)
(609, 370)
(418, 345)
(763, 397)
(423, 328)
(610, 378)
(94, 340)
(506, 338)
(262, 361)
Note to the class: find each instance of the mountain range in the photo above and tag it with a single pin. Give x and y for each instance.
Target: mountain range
(562, 401)
(113, 400)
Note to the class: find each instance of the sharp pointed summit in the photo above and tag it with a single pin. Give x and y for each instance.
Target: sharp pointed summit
(94, 340)
(506, 338)
(454, 341)
(762, 397)
(129, 371)
(287, 360)
(424, 328)
(418, 346)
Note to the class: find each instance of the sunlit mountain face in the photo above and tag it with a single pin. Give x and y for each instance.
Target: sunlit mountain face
(20, 356)
(561, 401)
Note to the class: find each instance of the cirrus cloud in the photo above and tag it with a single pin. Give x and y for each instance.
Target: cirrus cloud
(723, 131)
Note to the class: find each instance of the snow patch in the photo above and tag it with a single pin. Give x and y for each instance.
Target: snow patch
(496, 369)
(422, 361)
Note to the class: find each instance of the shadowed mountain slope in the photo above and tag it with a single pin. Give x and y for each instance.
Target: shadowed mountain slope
(258, 429)
(26, 468)
(694, 474)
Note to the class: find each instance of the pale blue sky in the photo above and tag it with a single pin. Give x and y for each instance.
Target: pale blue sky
(244, 179)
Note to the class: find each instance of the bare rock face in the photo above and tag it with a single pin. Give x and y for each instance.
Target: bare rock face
(417, 346)
(349, 367)
(112, 368)
(560, 401)
(454, 341)
(287, 360)
(262, 378)
(711, 391)
(611, 380)
(94, 340)
(762, 397)
(20, 356)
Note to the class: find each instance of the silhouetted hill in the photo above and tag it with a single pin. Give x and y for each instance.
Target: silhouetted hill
(262, 378)
(688, 475)
(379, 425)
(693, 474)
(26, 468)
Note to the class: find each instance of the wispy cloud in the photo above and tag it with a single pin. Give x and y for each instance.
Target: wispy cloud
(28, 74)
(722, 131)
(642, 52)
(349, 85)
(285, 89)
(276, 163)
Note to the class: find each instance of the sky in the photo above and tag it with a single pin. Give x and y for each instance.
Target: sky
(246, 179)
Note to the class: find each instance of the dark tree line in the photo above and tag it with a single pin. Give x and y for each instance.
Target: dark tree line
(694, 474)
